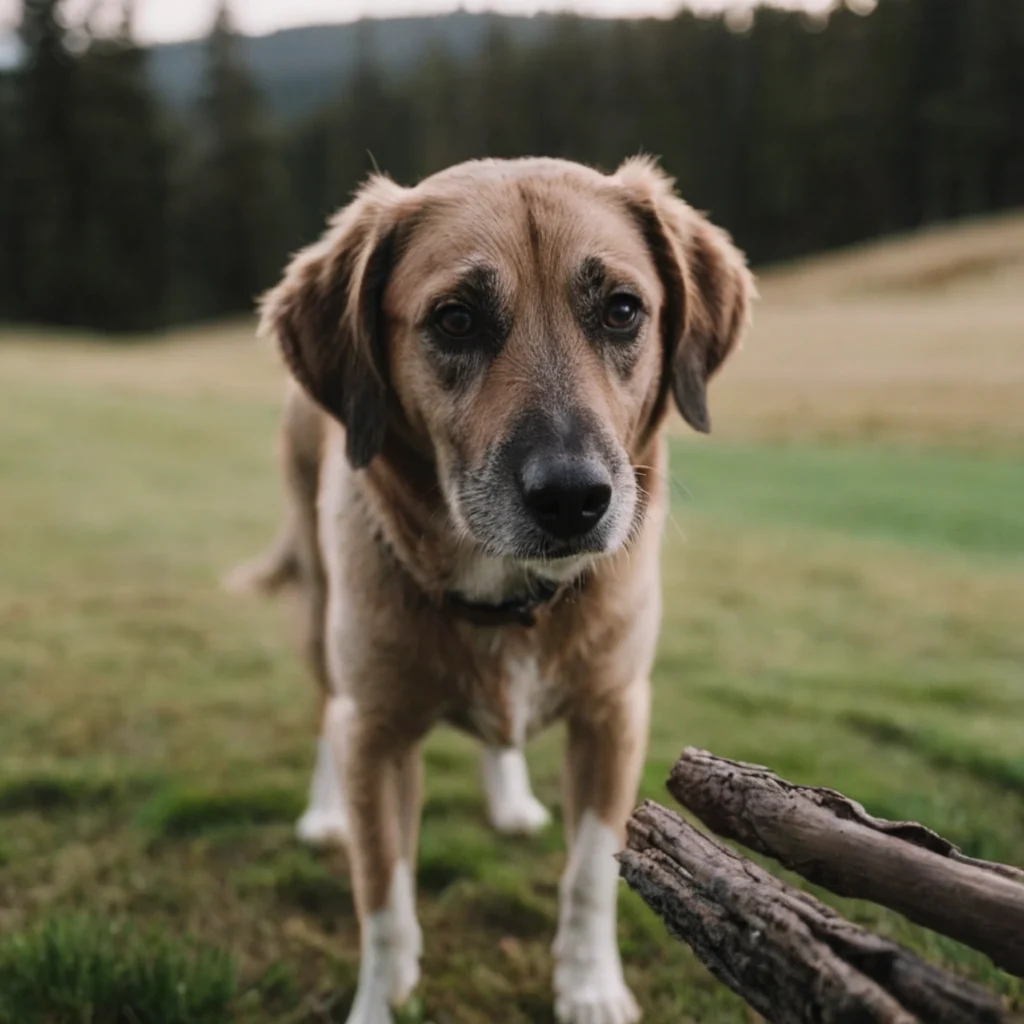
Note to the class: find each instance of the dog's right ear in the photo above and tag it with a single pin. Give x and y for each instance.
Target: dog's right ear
(326, 316)
(709, 290)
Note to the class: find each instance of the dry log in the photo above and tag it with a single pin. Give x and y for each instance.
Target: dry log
(792, 958)
(832, 841)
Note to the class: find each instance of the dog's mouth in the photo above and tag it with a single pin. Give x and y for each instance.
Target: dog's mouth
(562, 568)
(544, 557)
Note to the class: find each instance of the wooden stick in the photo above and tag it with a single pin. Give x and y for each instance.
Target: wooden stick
(832, 841)
(793, 959)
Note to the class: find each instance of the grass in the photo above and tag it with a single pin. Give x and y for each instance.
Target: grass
(79, 969)
(188, 812)
(844, 587)
(913, 340)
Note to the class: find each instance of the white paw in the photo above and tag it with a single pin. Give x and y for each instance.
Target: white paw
(322, 828)
(370, 1007)
(404, 969)
(598, 1001)
(523, 817)
(325, 822)
(384, 982)
(511, 805)
(391, 947)
(589, 987)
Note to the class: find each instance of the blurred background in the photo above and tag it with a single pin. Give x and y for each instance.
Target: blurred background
(147, 185)
(844, 566)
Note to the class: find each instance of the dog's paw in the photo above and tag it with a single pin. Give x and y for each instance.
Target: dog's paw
(325, 821)
(322, 827)
(404, 971)
(388, 976)
(589, 987)
(525, 816)
(596, 1000)
(370, 1007)
(511, 806)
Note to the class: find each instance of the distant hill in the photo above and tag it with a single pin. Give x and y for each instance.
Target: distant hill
(981, 258)
(301, 68)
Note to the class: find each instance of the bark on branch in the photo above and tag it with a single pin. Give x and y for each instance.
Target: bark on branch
(833, 842)
(792, 958)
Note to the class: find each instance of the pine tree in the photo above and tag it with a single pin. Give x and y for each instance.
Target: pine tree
(9, 226)
(236, 204)
(47, 186)
(123, 264)
(503, 126)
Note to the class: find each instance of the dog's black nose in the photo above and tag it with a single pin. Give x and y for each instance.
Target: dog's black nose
(566, 497)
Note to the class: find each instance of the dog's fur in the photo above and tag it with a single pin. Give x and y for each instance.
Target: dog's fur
(410, 444)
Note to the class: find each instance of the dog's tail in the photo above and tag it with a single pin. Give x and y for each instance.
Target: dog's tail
(294, 556)
(268, 572)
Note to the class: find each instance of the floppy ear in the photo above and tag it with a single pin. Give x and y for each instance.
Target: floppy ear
(708, 288)
(326, 316)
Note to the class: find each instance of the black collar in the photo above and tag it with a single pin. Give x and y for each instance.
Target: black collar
(518, 611)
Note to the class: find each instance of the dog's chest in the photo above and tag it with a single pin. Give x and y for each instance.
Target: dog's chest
(509, 699)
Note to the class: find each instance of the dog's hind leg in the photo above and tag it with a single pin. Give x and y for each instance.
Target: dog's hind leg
(325, 820)
(511, 805)
(295, 558)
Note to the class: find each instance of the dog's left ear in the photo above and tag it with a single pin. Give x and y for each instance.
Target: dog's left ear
(709, 289)
(326, 315)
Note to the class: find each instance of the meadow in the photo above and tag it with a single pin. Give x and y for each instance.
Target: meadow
(844, 600)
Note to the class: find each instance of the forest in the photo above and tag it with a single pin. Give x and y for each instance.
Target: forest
(123, 211)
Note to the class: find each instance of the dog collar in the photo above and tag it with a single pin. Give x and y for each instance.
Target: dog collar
(520, 611)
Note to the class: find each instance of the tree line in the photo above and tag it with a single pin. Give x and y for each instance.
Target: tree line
(796, 134)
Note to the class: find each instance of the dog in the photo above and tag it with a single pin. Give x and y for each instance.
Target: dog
(473, 448)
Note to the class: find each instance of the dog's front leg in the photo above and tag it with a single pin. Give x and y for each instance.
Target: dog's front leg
(382, 786)
(607, 743)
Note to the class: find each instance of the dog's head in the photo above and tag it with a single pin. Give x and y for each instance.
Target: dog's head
(522, 324)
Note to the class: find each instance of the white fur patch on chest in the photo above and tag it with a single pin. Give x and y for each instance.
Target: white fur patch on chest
(525, 696)
(506, 711)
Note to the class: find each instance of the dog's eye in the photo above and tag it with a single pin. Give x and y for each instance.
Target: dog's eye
(456, 320)
(621, 312)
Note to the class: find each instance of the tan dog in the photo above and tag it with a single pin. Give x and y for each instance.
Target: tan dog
(491, 356)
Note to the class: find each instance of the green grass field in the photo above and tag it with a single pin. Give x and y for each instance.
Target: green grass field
(844, 597)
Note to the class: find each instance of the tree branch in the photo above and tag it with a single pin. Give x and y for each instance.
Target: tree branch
(792, 958)
(832, 841)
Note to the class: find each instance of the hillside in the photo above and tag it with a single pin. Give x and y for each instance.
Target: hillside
(919, 337)
(302, 67)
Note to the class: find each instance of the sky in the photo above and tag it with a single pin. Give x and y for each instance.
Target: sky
(167, 20)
